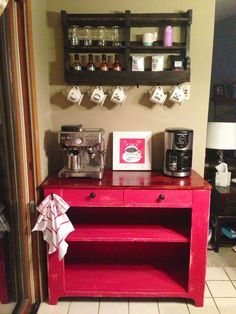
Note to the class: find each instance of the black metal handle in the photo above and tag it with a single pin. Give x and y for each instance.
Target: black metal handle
(92, 195)
(161, 197)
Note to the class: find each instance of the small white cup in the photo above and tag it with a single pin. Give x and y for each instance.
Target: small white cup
(98, 96)
(118, 95)
(177, 94)
(74, 95)
(158, 96)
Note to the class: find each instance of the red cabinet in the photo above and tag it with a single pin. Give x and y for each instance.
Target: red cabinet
(157, 198)
(141, 235)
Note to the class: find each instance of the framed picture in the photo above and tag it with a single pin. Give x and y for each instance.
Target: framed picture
(219, 90)
(132, 150)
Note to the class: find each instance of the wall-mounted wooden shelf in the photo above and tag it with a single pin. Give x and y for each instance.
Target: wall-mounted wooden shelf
(127, 21)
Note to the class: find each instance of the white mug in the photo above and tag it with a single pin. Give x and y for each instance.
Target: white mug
(98, 96)
(177, 94)
(158, 96)
(149, 38)
(75, 95)
(118, 95)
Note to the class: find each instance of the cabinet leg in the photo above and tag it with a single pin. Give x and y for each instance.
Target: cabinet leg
(199, 302)
(216, 248)
(53, 299)
(217, 235)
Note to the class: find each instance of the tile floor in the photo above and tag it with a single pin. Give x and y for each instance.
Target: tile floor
(220, 297)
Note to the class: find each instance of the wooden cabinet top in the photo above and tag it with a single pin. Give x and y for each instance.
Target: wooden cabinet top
(131, 179)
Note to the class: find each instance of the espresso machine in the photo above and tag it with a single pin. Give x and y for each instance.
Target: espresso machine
(83, 151)
(178, 144)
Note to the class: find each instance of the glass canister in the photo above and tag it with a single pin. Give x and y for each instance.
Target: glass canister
(87, 35)
(101, 35)
(115, 36)
(73, 35)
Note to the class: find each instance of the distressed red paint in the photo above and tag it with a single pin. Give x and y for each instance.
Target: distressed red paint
(142, 235)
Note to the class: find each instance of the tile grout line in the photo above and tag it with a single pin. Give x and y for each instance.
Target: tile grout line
(216, 305)
(99, 306)
(158, 309)
(226, 273)
(231, 280)
(68, 312)
(187, 307)
(212, 297)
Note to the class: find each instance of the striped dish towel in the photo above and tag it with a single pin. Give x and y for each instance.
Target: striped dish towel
(54, 223)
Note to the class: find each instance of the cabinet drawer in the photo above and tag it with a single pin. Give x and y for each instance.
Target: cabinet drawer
(230, 206)
(158, 198)
(93, 197)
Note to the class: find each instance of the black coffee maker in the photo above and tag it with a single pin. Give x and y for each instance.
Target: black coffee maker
(178, 144)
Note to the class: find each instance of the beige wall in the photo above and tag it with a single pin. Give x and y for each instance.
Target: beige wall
(137, 113)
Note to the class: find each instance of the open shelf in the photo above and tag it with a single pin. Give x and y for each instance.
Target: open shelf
(159, 48)
(138, 268)
(131, 280)
(129, 225)
(91, 49)
(124, 233)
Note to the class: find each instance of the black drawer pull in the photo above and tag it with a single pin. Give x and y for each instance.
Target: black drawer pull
(161, 197)
(92, 195)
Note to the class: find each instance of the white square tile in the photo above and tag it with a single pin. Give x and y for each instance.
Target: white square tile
(208, 308)
(170, 307)
(59, 308)
(216, 273)
(143, 307)
(221, 289)
(231, 271)
(84, 307)
(207, 293)
(7, 308)
(226, 305)
(114, 307)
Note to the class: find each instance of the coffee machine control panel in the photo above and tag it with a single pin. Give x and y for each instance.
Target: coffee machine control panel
(79, 139)
(181, 140)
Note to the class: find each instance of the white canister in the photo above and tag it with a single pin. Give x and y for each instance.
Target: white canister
(157, 63)
(137, 63)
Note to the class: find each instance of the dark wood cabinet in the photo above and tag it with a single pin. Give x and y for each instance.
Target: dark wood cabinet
(127, 22)
(223, 211)
(224, 109)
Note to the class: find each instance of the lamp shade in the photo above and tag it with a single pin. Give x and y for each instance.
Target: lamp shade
(221, 135)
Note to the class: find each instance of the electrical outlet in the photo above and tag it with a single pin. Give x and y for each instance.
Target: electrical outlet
(187, 88)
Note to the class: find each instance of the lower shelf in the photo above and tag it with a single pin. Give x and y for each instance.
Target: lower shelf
(120, 269)
(130, 280)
